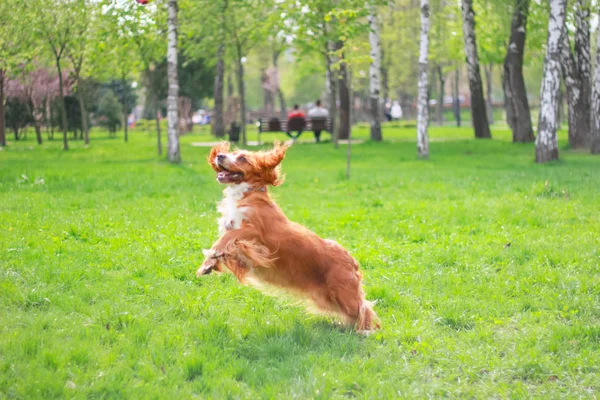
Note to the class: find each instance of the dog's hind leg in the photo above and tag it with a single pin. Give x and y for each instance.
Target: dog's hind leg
(350, 300)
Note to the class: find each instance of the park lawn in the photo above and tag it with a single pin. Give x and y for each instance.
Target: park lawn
(484, 265)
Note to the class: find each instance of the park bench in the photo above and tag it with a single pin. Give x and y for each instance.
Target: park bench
(276, 124)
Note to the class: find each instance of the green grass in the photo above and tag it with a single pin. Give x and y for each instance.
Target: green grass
(484, 265)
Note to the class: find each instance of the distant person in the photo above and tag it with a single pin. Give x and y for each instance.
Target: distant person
(396, 111)
(296, 114)
(318, 112)
(388, 111)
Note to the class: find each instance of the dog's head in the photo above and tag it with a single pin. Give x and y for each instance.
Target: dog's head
(256, 168)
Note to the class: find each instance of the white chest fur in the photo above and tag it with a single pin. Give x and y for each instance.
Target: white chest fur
(232, 215)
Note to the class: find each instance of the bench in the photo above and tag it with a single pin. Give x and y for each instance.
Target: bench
(275, 124)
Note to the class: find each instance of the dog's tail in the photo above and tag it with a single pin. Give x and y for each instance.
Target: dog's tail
(367, 319)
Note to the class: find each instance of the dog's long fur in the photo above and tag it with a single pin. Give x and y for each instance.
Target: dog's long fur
(259, 244)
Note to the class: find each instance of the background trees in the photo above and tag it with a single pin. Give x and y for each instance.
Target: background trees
(356, 55)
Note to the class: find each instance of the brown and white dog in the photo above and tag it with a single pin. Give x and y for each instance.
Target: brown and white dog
(258, 244)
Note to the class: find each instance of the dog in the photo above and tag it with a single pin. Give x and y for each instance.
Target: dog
(259, 245)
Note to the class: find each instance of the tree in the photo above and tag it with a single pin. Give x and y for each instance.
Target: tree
(55, 26)
(109, 111)
(595, 128)
(9, 53)
(157, 87)
(246, 28)
(173, 93)
(423, 102)
(218, 124)
(78, 54)
(576, 70)
(546, 144)
(478, 107)
(491, 36)
(515, 92)
(375, 75)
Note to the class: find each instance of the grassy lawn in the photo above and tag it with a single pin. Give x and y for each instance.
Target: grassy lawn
(484, 265)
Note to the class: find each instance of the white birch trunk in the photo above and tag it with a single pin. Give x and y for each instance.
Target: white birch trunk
(173, 92)
(422, 106)
(331, 100)
(374, 75)
(595, 128)
(478, 107)
(546, 146)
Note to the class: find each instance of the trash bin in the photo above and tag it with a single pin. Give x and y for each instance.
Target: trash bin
(234, 133)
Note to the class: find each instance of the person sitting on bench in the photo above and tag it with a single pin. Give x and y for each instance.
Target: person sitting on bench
(299, 123)
(318, 112)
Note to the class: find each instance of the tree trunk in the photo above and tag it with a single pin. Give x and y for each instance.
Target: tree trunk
(440, 103)
(384, 81)
(456, 99)
(158, 135)
(578, 107)
(218, 126)
(595, 126)
(84, 122)
(124, 110)
(2, 127)
(515, 93)
(478, 112)
(173, 92)
(374, 76)
(423, 103)
(489, 69)
(344, 85)
(282, 106)
(508, 102)
(332, 99)
(63, 109)
(230, 118)
(584, 62)
(560, 116)
(546, 144)
(38, 133)
(242, 90)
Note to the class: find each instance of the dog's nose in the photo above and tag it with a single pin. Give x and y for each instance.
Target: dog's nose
(221, 157)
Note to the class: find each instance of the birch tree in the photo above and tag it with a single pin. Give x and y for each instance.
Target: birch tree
(576, 68)
(173, 92)
(374, 75)
(595, 128)
(422, 105)
(546, 144)
(478, 107)
(515, 92)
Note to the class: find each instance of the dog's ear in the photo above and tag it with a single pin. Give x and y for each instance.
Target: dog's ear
(274, 157)
(222, 147)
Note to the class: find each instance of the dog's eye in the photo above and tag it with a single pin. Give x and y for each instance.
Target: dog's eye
(242, 159)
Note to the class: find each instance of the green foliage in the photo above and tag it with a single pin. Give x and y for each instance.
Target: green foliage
(486, 277)
(110, 111)
(17, 114)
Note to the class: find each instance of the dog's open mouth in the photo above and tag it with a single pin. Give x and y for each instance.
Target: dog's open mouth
(226, 176)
